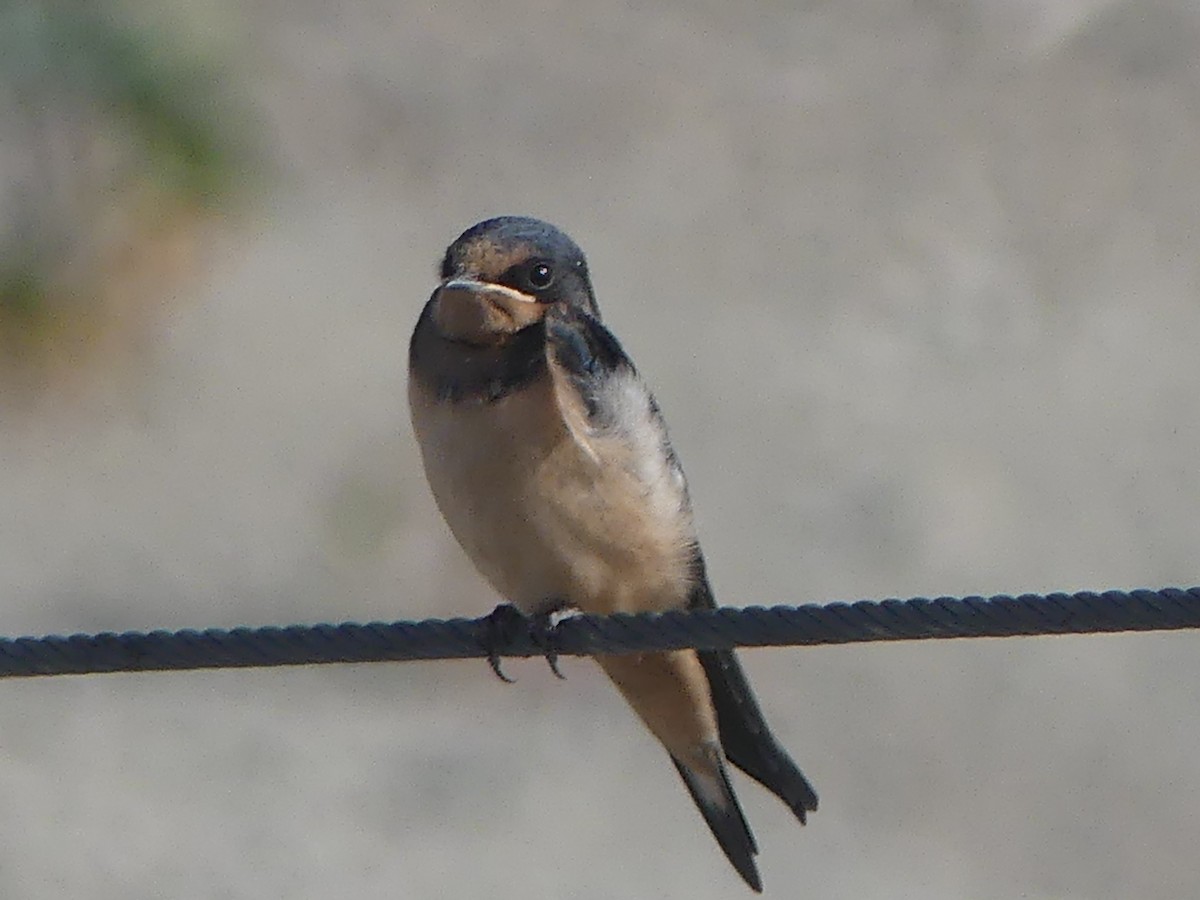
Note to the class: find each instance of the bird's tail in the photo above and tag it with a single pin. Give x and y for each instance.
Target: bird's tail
(747, 740)
(714, 797)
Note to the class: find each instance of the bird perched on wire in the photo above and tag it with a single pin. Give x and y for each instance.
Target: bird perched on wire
(550, 461)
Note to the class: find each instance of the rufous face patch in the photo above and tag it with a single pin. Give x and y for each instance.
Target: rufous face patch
(475, 312)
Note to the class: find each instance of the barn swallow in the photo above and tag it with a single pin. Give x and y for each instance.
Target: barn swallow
(550, 461)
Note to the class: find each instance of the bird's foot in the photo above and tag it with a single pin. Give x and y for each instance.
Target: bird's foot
(543, 630)
(501, 627)
(505, 624)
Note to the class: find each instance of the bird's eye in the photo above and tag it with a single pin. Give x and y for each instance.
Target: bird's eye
(540, 276)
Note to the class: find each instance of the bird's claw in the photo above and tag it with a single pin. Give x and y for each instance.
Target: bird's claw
(544, 631)
(541, 629)
(506, 623)
(500, 628)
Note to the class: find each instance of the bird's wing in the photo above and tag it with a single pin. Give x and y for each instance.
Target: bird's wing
(745, 737)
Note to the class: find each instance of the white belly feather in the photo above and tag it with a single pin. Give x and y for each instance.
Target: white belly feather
(550, 510)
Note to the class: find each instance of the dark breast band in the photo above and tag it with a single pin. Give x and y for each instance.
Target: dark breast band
(458, 372)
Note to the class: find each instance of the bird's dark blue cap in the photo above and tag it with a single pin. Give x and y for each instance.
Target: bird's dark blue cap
(507, 233)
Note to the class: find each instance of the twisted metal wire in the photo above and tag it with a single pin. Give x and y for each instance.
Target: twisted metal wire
(779, 626)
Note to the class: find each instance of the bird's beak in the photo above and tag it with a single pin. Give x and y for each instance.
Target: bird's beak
(471, 309)
(497, 294)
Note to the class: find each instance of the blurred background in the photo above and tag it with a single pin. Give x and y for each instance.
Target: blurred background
(916, 283)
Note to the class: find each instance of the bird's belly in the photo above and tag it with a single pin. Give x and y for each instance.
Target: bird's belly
(548, 519)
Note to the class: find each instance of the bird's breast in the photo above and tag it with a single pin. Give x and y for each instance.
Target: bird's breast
(551, 511)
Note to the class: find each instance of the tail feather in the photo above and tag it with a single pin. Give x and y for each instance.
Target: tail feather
(715, 799)
(747, 740)
(745, 737)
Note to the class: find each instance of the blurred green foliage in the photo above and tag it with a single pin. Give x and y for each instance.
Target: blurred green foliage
(113, 129)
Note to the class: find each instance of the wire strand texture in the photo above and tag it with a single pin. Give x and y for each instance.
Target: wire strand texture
(585, 635)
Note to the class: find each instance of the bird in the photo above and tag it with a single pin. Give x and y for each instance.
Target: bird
(550, 461)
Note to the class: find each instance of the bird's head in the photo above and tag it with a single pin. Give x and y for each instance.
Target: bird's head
(503, 275)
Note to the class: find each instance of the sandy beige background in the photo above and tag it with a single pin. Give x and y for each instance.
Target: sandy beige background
(917, 285)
